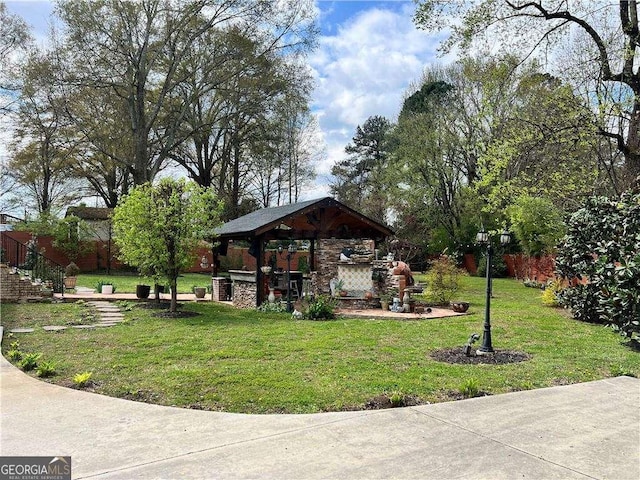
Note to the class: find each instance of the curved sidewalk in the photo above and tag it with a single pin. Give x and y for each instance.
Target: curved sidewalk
(589, 430)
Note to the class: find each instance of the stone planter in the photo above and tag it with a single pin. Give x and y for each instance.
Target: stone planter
(107, 289)
(200, 292)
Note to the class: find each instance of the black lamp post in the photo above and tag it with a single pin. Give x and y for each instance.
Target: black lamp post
(483, 238)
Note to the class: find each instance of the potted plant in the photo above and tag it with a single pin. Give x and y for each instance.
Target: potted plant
(340, 288)
(385, 300)
(71, 272)
(143, 291)
(105, 287)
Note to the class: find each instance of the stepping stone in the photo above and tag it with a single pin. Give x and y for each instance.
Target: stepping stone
(112, 320)
(83, 326)
(111, 315)
(105, 324)
(54, 328)
(107, 310)
(21, 330)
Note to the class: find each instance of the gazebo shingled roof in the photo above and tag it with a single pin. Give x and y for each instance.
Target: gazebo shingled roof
(311, 219)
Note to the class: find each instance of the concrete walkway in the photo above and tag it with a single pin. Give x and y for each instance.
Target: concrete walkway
(589, 430)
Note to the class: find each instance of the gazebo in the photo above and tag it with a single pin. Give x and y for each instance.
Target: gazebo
(312, 220)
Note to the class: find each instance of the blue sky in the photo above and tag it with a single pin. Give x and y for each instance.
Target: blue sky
(369, 54)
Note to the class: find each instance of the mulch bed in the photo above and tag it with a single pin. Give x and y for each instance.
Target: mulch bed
(499, 357)
(153, 305)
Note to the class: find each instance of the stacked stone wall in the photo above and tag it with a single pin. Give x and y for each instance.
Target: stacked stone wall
(244, 294)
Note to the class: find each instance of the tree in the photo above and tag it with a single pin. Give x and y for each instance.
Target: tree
(155, 56)
(609, 41)
(14, 43)
(358, 178)
(537, 224)
(42, 156)
(157, 228)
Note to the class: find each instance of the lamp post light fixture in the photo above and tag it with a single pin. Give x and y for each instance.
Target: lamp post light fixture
(293, 248)
(484, 238)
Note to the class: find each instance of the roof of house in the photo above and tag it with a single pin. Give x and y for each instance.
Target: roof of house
(318, 218)
(90, 213)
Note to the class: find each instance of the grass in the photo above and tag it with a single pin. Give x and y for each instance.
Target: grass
(247, 361)
(127, 283)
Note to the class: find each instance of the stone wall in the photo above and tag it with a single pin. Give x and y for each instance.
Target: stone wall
(328, 255)
(244, 294)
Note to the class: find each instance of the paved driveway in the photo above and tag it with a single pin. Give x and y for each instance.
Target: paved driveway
(589, 430)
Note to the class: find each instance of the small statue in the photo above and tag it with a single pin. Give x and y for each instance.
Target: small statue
(472, 339)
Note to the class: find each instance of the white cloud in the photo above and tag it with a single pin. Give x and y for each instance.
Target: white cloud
(364, 69)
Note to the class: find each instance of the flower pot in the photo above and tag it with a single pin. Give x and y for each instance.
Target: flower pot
(272, 296)
(142, 291)
(107, 289)
(460, 307)
(70, 282)
(200, 292)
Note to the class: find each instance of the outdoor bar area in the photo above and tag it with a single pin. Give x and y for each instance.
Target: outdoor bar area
(342, 254)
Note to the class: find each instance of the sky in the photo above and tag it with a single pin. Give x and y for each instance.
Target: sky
(369, 54)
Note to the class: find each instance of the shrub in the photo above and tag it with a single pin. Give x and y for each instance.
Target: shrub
(46, 369)
(321, 308)
(29, 361)
(442, 280)
(550, 294)
(277, 307)
(82, 379)
(602, 245)
(470, 388)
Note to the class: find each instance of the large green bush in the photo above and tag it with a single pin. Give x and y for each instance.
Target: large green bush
(602, 247)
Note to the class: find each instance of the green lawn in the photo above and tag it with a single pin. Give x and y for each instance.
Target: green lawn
(127, 283)
(246, 361)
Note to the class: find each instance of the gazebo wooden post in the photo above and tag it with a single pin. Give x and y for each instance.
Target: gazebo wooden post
(312, 255)
(259, 274)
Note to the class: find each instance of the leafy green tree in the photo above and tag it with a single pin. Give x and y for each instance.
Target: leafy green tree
(602, 65)
(158, 227)
(546, 148)
(537, 224)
